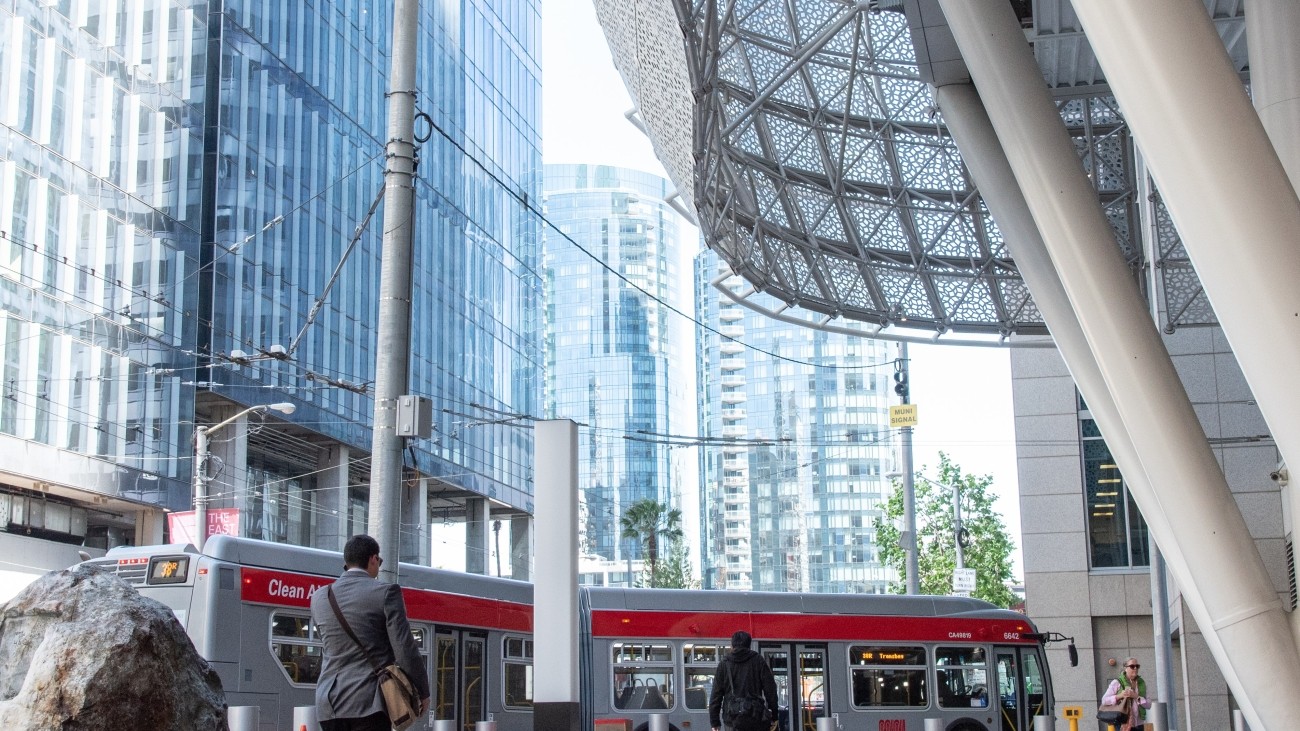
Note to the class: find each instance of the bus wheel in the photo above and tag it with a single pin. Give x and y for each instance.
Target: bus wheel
(646, 727)
(966, 724)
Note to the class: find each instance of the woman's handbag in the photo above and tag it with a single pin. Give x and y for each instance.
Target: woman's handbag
(1113, 713)
(401, 701)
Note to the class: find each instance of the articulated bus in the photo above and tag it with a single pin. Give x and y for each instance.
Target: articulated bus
(873, 663)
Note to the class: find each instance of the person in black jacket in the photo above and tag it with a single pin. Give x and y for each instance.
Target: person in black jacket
(743, 674)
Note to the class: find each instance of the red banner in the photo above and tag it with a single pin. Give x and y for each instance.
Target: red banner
(221, 521)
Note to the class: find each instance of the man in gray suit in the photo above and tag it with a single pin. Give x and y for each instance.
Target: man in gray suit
(347, 695)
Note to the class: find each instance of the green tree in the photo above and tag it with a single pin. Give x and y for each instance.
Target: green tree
(674, 572)
(645, 521)
(989, 549)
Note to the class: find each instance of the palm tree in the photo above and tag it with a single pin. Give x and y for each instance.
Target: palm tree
(646, 520)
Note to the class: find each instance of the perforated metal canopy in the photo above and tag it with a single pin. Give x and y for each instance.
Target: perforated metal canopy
(806, 136)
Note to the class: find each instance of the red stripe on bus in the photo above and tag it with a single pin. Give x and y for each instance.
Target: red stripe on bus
(774, 626)
(287, 589)
(467, 611)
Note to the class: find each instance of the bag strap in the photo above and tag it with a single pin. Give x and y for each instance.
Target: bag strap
(334, 604)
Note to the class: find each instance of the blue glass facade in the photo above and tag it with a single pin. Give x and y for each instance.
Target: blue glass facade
(179, 179)
(101, 108)
(788, 502)
(615, 351)
(302, 114)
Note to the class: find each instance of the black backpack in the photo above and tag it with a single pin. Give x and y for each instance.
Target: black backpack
(737, 707)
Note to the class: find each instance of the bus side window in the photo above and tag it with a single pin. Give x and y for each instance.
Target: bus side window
(296, 647)
(517, 661)
(700, 661)
(643, 675)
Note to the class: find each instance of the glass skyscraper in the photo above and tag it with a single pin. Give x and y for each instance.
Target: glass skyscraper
(617, 354)
(178, 180)
(796, 424)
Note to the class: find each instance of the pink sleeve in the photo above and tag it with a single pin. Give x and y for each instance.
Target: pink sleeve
(1111, 690)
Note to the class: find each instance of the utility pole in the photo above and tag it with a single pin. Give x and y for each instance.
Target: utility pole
(902, 388)
(393, 341)
(958, 539)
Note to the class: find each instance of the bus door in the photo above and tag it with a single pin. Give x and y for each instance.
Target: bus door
(1022, 687)
(458, 677)
(805, 676)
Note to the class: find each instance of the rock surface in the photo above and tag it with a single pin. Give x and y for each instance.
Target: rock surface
(80, 649)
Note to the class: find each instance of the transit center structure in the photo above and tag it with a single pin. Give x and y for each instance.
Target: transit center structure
(1116, 174)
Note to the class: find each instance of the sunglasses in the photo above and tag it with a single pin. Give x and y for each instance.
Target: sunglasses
(1135, 667)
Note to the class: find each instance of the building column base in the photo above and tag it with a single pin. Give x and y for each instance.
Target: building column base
(562, 716)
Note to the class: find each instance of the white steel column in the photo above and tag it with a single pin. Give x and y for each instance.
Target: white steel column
(1272, 27)
(1222, 181)
(971, 129)
(1206, 540)
(555, 592)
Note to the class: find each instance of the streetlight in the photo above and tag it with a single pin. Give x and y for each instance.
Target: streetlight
(201, 434)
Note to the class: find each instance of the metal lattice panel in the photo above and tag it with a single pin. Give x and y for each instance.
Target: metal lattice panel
(822, 172)
(825, 176)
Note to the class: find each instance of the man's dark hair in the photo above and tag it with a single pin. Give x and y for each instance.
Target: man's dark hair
(358, 550)
(741, 640)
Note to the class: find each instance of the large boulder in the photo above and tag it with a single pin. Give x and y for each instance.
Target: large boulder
(81, 650)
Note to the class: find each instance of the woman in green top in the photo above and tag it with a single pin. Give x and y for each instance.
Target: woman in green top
(1130, 685)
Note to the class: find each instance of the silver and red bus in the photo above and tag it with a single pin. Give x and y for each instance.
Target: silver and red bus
(871, 662)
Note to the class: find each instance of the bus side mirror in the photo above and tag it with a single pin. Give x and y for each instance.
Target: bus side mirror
(1074, 655)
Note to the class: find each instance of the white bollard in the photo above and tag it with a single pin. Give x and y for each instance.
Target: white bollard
(1044, 723)
(934, 724)
(827, 723)
(658, 722)
(1238, 721)
(304, 719)
(485, 726)
(444, 725)
(244, 718)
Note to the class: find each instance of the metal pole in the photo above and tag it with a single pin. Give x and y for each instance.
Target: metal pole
(909, 484)
(201, 485)
(956, 525)
(1162, 654)
(393, 341)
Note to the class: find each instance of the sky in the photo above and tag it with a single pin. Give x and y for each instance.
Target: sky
(963, 394)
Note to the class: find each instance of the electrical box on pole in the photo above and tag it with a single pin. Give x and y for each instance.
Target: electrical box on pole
(414, 417)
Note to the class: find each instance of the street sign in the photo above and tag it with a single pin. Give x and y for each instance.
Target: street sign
(900, 416)
(963, 580)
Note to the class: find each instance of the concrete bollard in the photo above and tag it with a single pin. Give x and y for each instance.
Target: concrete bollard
(444, 725)
(304, 719)
(244, 718)
(658, 722)
(826, 723)
(934, 724)
(1239, 721)
(1044, 723)
(485, 726)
